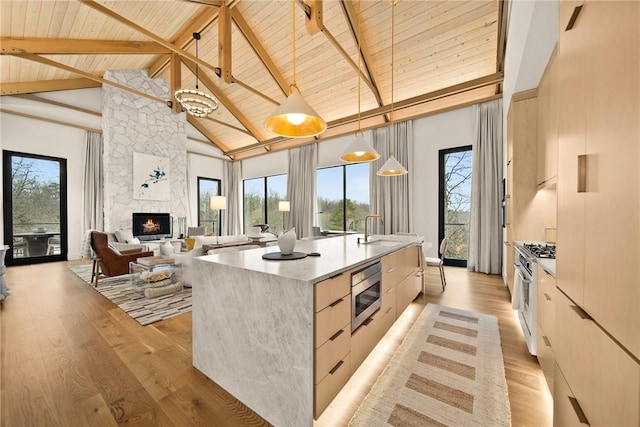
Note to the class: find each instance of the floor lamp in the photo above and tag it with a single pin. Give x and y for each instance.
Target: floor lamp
(284, 206)
(218, 203)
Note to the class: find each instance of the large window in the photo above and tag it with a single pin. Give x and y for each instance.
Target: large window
(35, 208)
(343, 197)
(207, 217)
(261, 197)
(455, 202)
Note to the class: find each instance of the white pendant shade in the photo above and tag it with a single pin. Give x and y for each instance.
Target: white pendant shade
(294, 118)
(392, 167)
(359, 151)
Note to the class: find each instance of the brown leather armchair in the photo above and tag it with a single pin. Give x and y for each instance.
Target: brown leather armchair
(109, 261)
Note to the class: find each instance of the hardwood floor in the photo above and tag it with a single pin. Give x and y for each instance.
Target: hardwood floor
(72, 358)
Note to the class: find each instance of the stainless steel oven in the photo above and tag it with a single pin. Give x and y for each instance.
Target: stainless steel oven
(524, 296)
(366, 286)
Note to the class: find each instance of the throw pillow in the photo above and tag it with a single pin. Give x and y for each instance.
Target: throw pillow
(124, 235)
(134, 241)
(205, 240)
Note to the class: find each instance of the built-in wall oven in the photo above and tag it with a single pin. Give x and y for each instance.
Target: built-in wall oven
(366, 286)
(524, 298)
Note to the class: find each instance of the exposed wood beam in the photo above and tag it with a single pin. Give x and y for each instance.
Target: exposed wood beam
(77, 46)
(214, 3)
(176, 81)
(350, 15)
(45, 119)
(46, 86)
(503, 12)
(203, 130)
(224, 43)
(90, 76)
(257, 47)
(314, 21)
(36, 98)
(220, 122)
(350, 61)
(205, 17)
(492, 79)
(255, 91)
(224, 100)
(133, 25)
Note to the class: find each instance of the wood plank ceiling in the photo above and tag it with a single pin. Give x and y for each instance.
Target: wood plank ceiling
(446, 54)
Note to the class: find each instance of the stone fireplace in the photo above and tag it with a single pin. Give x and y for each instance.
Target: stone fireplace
(131, 123)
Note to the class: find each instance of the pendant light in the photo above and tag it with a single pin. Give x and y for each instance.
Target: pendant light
(392, 167)
(196, 102)
(294, 118)
(359, 151)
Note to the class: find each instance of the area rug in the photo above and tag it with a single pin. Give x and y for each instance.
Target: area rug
(144, 310)
(447, 372)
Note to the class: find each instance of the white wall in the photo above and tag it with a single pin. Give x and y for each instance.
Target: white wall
(36, 137)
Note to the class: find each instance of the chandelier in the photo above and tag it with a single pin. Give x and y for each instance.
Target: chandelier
(194, 101)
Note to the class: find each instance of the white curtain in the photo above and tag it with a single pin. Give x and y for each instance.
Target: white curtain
(391, 196)
(93, 183)
(232, 188)
(92, 190)
(301, 188)
(485, 232)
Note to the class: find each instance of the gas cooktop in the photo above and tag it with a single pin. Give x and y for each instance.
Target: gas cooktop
(541, 250)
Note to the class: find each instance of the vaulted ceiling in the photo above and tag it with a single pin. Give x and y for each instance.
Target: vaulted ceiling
(446, 54)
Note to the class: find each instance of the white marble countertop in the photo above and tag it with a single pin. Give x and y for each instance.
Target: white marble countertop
(548, 264)
(337, 254)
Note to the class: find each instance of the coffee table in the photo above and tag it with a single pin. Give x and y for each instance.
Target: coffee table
(159, 275)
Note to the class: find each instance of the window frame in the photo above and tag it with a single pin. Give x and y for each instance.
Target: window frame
(344, 192)
(265, 189)
(199, 219)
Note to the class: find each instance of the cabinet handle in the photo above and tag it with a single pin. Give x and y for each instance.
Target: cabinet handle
(333, 304)
(546, 341)
(334, 276)
(366, 322)
(583, 314)
(582, 173)
(548, 274)
(336, 335)
(578, 410)
(335, 368)
(547, 297)
(574, 17)
(390, 270)
(388, 310)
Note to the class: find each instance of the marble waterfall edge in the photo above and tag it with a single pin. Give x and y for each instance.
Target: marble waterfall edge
(251, 335)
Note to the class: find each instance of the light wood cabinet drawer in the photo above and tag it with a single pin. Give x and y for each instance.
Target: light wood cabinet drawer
(546, 299)
(546, 357)
(407, 291)
(332, 351)
(565, 412)
(330, 290)
(331, 319)
(604, 379)
(330, 386)
(391, 273)
(364, 339)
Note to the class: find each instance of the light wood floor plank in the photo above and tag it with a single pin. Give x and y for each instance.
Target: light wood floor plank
(71, 357)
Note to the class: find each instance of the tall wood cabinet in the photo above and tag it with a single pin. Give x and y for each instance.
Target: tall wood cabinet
(547, 152)
(598, 184)
(521, 171)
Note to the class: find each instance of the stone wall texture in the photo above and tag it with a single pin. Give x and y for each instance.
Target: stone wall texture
(131, 123)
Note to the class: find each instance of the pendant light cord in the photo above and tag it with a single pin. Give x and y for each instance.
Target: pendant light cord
(359, 62)
(293, 41)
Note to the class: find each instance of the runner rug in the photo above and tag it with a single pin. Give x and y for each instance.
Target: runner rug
(448, 371)
(144, 310)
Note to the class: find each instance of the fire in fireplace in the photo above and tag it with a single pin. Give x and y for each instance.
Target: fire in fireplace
(151, 226)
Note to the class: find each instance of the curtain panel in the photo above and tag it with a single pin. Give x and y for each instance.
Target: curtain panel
(92, 187)
(301, 188)
(485, 232)
(390, 196)
(232, 187)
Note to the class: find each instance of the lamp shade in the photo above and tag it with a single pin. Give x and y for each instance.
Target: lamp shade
(392, 167)
(218, 202)
(294, 118)
(359, 151)
(284, 206)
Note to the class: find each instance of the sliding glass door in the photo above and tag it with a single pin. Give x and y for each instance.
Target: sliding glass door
(35, 208)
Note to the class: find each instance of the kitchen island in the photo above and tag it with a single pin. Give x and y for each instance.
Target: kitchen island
(264, 330)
